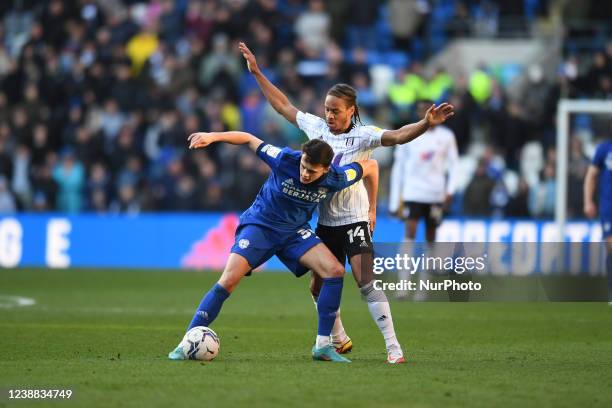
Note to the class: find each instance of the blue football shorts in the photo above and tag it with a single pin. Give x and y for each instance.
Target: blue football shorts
(258, 244)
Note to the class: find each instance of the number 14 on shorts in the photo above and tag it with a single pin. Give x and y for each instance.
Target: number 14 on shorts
(354, 233)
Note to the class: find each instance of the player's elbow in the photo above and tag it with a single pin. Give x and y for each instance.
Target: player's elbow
(288, 111)
(370, 168)
(389, 139)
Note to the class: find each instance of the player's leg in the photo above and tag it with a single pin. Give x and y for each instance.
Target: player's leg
(433, 221)
(359, 248)
(306, 252)
(332, 237)
(412, 212)
(321, 261)
(210, 306)
(432, 214)
(237, 266)
(251, 248)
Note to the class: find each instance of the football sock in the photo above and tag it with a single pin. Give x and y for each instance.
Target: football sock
(381, 313)
(323, 341)
(209, 307)
(327, 307)
(338, 333)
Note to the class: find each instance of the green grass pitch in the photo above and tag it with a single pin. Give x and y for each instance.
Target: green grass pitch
(106, 334)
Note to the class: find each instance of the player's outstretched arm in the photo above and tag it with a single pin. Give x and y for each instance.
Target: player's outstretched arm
(201, 140)
(435, 115)
(275, 96)
(590, 180)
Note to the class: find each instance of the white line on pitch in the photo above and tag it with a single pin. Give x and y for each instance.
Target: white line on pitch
(10, 301)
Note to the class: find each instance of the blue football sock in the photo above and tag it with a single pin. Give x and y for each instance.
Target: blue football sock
(328, 304)
(209, 307)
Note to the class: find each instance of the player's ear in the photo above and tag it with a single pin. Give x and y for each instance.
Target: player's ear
(351, 110)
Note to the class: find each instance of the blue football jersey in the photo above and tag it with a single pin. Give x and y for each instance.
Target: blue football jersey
(284, 203)
(603, 161)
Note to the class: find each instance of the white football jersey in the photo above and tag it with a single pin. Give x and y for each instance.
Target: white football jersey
(420, 168)
(351, 204)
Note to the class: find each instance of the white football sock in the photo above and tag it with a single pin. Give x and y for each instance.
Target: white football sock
(322, 341)
(381, 313)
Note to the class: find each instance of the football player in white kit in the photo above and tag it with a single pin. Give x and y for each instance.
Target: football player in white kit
(347, 220)
(423, 181)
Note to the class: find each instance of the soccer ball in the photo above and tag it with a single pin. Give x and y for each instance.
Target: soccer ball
(201, 343)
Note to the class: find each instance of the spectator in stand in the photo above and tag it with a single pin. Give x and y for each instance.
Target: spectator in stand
(542, 196)
(477, 196)
(7, 201)
(407, 20)
(20, 182)
(119, 79)
(518, 206)
(312, 29)
(44, 188)
(127, 201)
(70, 177)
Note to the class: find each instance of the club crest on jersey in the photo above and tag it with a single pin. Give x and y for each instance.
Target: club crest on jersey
(350, 141)
(426, 156)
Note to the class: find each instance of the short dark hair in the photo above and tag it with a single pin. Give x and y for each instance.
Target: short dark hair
(349, 94)
(318, 152)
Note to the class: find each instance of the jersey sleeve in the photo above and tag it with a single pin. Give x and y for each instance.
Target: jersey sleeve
(600, 156)
(310, 124)
(345, 176)
(270, 154)
(373, 136)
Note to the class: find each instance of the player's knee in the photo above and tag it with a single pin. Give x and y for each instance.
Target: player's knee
(229, 280)
(336, 270)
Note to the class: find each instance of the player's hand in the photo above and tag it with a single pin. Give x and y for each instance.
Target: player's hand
(590, 209)
(438, 114)
(200, 140)
(372, 220)
(249, 57)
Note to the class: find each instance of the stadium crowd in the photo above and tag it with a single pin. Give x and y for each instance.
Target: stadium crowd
(97, 97)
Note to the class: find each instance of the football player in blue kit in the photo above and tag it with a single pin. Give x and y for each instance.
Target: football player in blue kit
(277, 223)
(601, 168)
